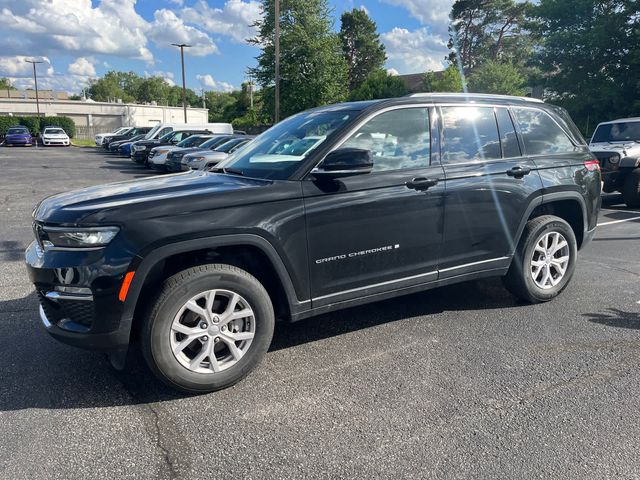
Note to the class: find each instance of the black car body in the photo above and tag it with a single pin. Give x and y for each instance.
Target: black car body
(397, 196)
(141, 149)
(134, 132)
(114, 147)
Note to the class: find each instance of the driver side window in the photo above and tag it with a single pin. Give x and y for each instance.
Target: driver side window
(397, 139)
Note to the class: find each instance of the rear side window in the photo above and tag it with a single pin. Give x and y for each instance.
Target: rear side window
(508, 137)
(541, 135)
(469, 134)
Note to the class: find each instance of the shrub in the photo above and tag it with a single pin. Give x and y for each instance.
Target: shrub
(35, 126)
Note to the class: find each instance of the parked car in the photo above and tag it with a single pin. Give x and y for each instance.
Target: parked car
(101, 137)
(134, 132)
(158, 155)
(54, 136)
(162, 129)
(18, 135)
(616, 144)
(402, 195)
(175, 156)
(124, 146)
(197, 161)
(114, 146)
(142, 148)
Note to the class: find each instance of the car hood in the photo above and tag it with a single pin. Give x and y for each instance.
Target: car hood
(206, 154)
(626, 149)
(55, 135)
(149, 197)
(188, 150)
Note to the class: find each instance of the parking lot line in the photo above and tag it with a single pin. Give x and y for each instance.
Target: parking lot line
(619, 210)
(618, 221)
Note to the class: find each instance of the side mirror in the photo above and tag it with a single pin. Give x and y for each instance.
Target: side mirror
(344, 162)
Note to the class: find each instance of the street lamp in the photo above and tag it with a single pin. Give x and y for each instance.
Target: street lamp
(184, 87)
(35, 79)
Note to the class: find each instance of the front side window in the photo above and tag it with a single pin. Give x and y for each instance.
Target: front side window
(541, 135)
(398, 139)
(469, 134)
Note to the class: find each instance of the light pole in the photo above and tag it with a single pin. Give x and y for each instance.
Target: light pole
(276, 42)
(35, 80)
(184, 87)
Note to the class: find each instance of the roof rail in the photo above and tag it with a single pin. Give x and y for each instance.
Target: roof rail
(476, 95)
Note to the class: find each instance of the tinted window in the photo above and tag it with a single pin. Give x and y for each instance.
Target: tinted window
(542, 136)
(617, 132)
(469, 134)
(397, 139)
(508, 138)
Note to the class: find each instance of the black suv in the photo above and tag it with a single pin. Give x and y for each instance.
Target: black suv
(142, 148)
(334, 207)
(106, 144)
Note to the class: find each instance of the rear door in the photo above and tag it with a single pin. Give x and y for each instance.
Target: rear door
(489, 185)
(379, 231)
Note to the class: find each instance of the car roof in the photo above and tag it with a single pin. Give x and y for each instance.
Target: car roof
(621, 120)
(435, 98)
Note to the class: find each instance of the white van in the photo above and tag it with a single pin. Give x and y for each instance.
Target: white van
(164, 128)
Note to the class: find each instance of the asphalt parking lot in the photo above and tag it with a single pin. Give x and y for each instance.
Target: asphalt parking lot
(458, 382)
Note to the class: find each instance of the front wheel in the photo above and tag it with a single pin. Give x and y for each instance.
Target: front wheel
(210, 327)
(544, 261)
(631, 189)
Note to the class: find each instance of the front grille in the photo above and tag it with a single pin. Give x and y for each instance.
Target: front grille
(76, 311)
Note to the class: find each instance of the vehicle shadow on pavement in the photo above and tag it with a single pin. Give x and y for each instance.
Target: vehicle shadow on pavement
(63, 377)
(614, 317)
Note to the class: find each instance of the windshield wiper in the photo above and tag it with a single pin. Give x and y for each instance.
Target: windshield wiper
(231, 171)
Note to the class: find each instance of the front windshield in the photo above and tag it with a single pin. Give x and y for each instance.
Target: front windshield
(167, 137)
(17, 131)
(279, 151)
(54, 131)
(215, 142)
(617, 132)
(191, 141)
(227, 146)
(151, 132)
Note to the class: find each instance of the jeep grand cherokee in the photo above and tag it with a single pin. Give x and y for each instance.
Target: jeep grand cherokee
(398, 196)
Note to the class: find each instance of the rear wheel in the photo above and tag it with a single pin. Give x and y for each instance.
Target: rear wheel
(631, 189)
(544, 261)
(210, 326)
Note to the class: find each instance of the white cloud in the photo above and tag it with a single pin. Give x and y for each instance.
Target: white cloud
(207, 81)
(167, 28)
(83, 66)
(234, 19)
(113, 27)
(393, 72)
(414, 51)
(434, 13)
(17, 66)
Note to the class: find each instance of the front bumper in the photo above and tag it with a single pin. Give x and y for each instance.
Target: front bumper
(18, 141)
(53, 142)
(140, 156)
(78, 295)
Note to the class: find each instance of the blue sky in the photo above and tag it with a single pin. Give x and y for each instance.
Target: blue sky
(83, 39)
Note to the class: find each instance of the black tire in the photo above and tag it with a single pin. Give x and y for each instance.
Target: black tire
(631, 189)
(176, 291)
(519, 279)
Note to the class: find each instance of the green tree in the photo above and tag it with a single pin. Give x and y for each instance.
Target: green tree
(450, 80)
(116, 85)
(313, 71)
(497, 77)
(379, 84)
(152, 89)
(590, 50)
(488, 30)
(5, 84)
(361, 46)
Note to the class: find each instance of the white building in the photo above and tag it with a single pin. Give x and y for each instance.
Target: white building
(90, 116)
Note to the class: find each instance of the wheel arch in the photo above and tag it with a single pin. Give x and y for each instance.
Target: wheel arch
(237, 247)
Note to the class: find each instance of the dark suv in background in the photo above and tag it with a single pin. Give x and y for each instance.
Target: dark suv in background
(142, 148)
(334, 207)
(133, 132)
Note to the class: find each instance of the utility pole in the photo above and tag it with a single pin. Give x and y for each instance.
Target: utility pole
(35, 80)
(184, 86)
(204, 104)
(251, 91)
(276, 41)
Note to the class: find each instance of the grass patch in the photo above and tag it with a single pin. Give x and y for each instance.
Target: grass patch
(79, 142)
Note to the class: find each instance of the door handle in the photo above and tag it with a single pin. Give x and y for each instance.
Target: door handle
(518, 172)
(422, 183)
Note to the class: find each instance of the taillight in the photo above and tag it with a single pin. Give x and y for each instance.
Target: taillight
(592, 165)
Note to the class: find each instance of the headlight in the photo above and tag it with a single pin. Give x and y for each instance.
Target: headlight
(160, 152)
(194, 159)
(78, 237)
(138, 148)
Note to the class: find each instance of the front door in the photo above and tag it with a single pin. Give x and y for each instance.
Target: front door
(382, 230)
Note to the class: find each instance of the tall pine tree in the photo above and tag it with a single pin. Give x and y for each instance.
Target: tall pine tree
(313, 71)
(361, 46)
